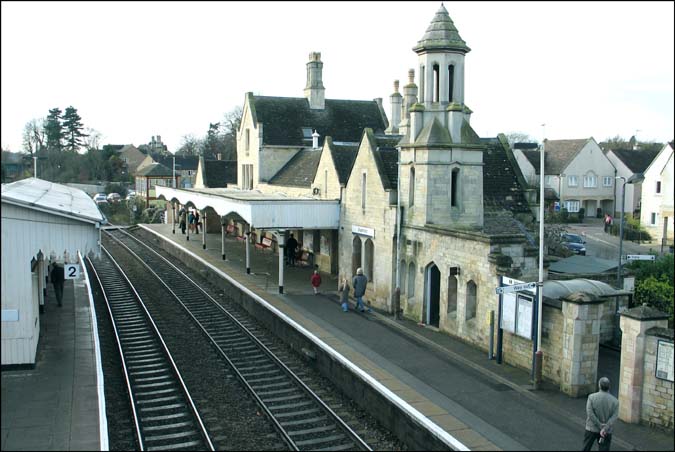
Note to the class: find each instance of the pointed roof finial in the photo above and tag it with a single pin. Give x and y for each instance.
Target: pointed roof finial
(441, 35)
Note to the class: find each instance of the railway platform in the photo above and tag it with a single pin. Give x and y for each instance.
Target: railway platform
(483, 405)
(55, 405)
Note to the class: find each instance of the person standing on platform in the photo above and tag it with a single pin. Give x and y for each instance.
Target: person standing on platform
(360, 281)
(344, 296)
(58, 277)
(191, 222)
(291, 246)
(197, 222)
(602, 410)
(316, 281)
(181, 219)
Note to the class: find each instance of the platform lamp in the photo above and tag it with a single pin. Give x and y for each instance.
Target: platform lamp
(623, 201)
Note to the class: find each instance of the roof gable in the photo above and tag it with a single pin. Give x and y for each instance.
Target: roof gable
(155, 170)
(299, 171)
(635, 160)
(343, 157)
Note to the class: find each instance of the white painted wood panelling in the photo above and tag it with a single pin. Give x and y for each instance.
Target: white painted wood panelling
(25, 232)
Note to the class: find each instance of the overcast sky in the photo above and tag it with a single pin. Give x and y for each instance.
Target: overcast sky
(138, 69)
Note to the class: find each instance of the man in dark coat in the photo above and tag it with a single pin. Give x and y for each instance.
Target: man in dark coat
(58, 277)
(291, 246)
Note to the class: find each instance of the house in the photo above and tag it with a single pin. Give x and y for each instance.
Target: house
(185, 166)
(656, 213)
(150, 176)
(216, 173)
(577, 170)
(14, 165)
(40, 220)
(630, 164)
(132, 157)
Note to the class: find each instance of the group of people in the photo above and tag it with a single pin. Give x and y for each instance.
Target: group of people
(359, 282)
(189, 220)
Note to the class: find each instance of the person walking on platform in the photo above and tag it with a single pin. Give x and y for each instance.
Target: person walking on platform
(197, 222)
(344, 296)
(181, 219)
(58, 277)
(291, 245)
(602, 409)
(360, 281)
(316, 281)
(191, 222)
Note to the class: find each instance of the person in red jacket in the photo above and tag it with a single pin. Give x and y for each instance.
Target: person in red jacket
(316, 281)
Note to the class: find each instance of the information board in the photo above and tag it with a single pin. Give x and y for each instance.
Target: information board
(509, 312)
(664, 360)
(524, 319)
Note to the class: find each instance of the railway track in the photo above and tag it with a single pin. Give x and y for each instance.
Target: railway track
(164, 415)
(302, 419)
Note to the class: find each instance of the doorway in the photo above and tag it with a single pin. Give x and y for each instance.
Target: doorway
(433, 292)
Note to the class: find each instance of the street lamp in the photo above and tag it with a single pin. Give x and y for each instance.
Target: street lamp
(623, 200)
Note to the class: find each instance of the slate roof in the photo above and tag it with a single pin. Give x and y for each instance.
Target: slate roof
(386, 159)
(558, 155)
(183, 162)
(284, 118)
(583, 265)
(220, 173)
(155, 170)
(636, 160)
(344, 157)
(299, 171)
(501, 189)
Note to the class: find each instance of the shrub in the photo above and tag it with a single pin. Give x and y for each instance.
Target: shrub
(581, 214)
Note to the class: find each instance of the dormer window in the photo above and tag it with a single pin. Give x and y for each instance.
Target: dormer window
(307, 133)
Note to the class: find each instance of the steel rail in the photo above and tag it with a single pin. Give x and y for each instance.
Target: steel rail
(296, 380)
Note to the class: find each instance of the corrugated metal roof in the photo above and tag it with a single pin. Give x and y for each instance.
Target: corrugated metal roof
(560, 289)
(54, 197)
(583, 265)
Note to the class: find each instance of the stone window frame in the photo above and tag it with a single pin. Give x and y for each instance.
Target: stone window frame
(572, 181)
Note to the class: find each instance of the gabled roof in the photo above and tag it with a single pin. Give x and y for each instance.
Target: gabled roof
(344, 156)
(636, 160)
(558, 155)
(501, 189)
(220, 173)
(284, 118)
(299, 171)
(386, 160)
(45, 195)
(155, 170)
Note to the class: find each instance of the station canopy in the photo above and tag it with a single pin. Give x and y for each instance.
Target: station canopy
(260, 210)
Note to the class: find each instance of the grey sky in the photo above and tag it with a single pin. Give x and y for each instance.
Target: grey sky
(138, 69)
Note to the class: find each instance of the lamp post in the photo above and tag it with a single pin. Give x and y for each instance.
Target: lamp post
(538, 355)
(623, 200)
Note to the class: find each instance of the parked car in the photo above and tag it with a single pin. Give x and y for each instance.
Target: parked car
(574, 243)
(99, 198)
(114, 197)
(130, 195)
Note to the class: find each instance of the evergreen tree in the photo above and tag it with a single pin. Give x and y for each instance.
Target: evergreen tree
(54, 130)
(72, 123)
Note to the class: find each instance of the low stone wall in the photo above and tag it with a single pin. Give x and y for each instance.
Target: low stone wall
(657, 393)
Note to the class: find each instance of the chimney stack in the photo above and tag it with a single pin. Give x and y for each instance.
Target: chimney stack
(396, 101)
(315, 140)
(314, 90)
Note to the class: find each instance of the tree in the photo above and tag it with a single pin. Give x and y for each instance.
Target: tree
(93, 139)
(190, 145)
(72, 123)
(212, 145)
(34, 136)
(229, 126)
(519, 137)
(53, 130)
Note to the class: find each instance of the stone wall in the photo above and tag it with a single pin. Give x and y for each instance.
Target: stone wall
(657, 393)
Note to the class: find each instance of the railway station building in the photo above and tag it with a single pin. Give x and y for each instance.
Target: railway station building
(456, 201)
(42, 223)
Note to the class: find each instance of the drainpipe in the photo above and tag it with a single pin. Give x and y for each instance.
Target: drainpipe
(396, 299)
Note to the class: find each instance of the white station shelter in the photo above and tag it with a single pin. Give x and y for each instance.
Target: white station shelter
(41, 222)
(273, 212)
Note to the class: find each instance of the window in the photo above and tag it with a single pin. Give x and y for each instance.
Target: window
(247, 177)
(653, 219)
(572, 181)
(607, 181)
(411, 191)
(454, 187)
(452, 296)
(411, 280)
(572, 205)
(451, 81)
(325, 183)
(363, 191)
(422, 83)
(658, 187)
(436, 82)
(590, 181)
(471, 291)
(248, 141)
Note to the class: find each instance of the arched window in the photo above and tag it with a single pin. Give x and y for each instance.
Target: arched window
(451, 81)
(436, 82)
(452, 296)
(421, 83)
(454, 188)
(411, 280)
(411, 191)
(471, 291)
(356, 254)
(368, 261)
(403, 269)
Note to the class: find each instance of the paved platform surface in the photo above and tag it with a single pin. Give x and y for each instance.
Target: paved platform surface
(54, 406)
(484, 405)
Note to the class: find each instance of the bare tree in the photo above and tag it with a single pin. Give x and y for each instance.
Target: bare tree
(93, 138)
(33, 136)
(519, 137)
(190, 145)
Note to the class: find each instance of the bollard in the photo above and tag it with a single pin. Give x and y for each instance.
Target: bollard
(538, 362)
(491, 320)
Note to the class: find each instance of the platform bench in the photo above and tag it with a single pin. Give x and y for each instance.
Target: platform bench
(265, 244)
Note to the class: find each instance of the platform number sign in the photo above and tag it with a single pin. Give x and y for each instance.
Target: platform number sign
(71, 271)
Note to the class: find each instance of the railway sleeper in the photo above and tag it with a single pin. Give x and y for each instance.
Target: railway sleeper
(314, 420)
(325, 440)
(284, 398)
(312, 431)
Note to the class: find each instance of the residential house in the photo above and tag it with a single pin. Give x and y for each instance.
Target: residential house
(577, 170)
(185, 165)
(630, 164)
(656, 213)
(132, 157)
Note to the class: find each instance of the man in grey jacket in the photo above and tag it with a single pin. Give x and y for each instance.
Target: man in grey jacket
(360, 281)
(602, 409)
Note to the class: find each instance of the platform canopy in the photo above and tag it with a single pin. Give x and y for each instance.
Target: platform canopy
(260, 210)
